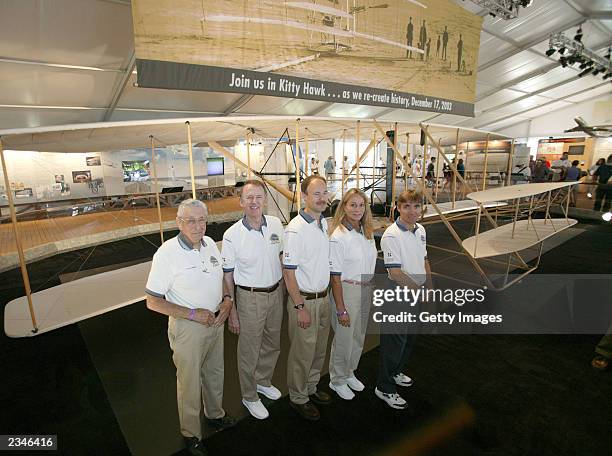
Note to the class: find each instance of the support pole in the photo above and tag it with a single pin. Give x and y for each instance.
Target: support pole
(437, 176)
(484, 172)
(455, 169)
(343, 156)
(249, 172)
(297, 165)
(373, 156)
(191, 173)
(407, 155)
(357, 137)
(306, 153)
(424, 164)
(22, 264)
(477, 228)
(517, 202)
(159, 216)
(393, 170)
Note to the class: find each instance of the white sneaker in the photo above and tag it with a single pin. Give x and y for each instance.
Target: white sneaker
(393, 400)
(271, 392)
(402, 380)
(257, 409)
(343, 391)
(355, 384)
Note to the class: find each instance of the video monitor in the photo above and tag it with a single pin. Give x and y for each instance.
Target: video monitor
(135, 170)
(215, 167)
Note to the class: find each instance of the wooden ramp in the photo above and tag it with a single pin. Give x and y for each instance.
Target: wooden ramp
(78, 300)
(527, 233)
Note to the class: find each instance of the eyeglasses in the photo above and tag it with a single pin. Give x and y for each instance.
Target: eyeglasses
(192, 221)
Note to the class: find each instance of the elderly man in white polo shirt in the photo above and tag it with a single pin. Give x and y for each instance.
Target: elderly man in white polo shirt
(252, 265)
(405, 255)
(306, 272)
(185, 283)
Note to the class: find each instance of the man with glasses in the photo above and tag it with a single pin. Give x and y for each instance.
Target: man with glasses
(185, 283)
(306, 273)
(252, 266)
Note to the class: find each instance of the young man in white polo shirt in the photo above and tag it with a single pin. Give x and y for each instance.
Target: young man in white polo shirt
(185, 283)
(405, 255)
(306, 272)
(252, 266)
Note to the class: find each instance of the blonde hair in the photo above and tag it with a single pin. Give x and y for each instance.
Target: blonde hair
(340, 215)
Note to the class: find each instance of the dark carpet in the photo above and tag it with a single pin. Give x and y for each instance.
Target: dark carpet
(473, 395)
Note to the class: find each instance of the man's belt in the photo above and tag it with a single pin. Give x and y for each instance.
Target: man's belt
(308, 296)
(261, 290)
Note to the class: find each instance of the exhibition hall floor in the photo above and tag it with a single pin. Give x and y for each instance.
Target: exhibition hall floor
(106, 385)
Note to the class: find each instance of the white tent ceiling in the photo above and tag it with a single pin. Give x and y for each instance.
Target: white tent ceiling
(72, 61)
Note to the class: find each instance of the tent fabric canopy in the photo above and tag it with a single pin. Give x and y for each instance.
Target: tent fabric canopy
(108, 136)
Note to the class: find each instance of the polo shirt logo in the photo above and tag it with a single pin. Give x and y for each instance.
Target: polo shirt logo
(214, 261)
(274, 239)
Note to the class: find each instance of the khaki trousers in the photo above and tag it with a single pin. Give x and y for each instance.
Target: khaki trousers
(198, 357)
(307, 350)
(348, 342)
(261, 318)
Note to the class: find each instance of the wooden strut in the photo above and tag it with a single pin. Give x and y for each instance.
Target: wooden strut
(454, 169)
(393, 174)
(343, 162)
(306, 161)
(437, 176)
(226, 153)
(484, 172)
(421, 186)
(248, 144)
(357, 138)
(407, 155)
(22, 264)
(190, 149)
(297, 166)
(509, 167)
(159, 216)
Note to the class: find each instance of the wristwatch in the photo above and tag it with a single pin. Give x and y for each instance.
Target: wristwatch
(228, 296)
(299, 306)
(344, 312)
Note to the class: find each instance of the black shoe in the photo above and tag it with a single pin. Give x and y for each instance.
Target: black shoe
(308, 411)
(195, 446)
(320, 397)
(222, 423)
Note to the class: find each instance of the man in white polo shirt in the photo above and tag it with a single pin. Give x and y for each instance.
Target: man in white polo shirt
(251, 261)
(405, 255)
(185, 283)
(306, 272)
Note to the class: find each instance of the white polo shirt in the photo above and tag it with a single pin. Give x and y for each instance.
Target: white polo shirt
(406, 249)
(352, 255)
(186, 276)
(307, 251)
(253, 255)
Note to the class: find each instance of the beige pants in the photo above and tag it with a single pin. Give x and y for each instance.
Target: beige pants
(198, 357)
(348, 342)
(261, 317)
(307, 351)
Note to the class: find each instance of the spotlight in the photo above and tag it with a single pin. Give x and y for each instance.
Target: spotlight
(562, 50)
(589, 195)
(596, 71)
(584, 72)
(550, 52)
(608, 75)
(563, 62)
(607, 216)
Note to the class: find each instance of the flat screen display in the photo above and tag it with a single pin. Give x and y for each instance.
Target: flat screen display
(135, 170)
(215, 167)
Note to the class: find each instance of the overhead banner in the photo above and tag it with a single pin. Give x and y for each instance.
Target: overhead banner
(409, 54)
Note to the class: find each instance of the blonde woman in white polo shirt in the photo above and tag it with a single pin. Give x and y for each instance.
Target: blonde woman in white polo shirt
(353, 259)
